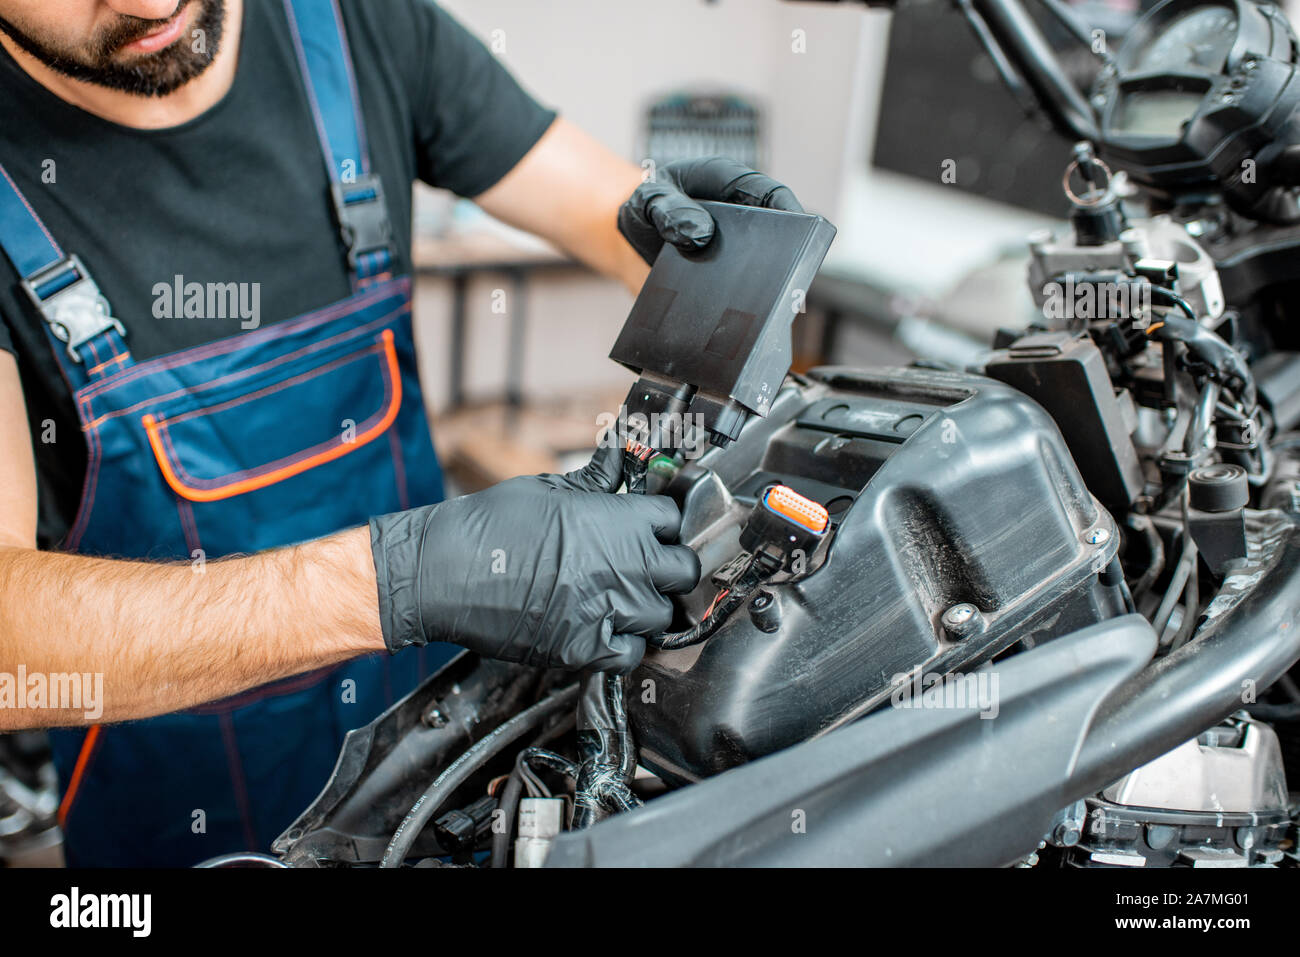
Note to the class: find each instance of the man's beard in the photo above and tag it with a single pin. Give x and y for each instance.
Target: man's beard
(149, 74)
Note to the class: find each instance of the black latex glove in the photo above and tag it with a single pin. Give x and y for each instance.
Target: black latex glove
(665, 209)
(545, 570)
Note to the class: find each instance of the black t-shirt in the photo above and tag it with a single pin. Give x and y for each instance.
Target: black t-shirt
(240, 194)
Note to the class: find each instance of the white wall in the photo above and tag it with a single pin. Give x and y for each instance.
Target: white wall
(600, 61)
(815, 69)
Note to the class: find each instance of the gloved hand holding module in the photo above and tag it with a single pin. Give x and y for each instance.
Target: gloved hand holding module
(664, 208)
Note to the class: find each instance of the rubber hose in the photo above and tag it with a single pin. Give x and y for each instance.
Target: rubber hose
(464, 767)
(512, 791)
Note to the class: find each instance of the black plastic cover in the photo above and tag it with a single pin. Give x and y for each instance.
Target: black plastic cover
(944, 489)
(719, 319)
(1067, 376)
(917, 787)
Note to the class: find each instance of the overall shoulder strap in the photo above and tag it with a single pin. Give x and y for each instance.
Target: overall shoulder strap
(358, 197)
(89, 342)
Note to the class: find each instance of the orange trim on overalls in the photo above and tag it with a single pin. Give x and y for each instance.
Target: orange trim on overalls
(154, 429)
(83, 759)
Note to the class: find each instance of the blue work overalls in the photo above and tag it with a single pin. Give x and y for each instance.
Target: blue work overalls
(275, 436)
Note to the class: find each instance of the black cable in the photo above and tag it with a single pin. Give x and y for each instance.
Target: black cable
(707, 625)
(1192, 603)
(1177, 585)
(512, 789)
(1126, 595)
(622, 799)
(532, 783)
(1283, 711)
(759, 570)
(606, 749)
(1206, 345)
(1156, 548)
(998, 57)
(1288, 686)
(1196, 439)
(1068, 19)
(634, 474)
(508, 805)
(1173, 299)
(550, 760)
(464, 767)
(1275, 712)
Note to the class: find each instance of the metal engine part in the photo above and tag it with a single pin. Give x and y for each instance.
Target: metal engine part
(1157, 238)
(541, 820)
(1218, 800)
(29, 801)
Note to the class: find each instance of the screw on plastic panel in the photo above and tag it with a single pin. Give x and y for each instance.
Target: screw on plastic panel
(962, 620)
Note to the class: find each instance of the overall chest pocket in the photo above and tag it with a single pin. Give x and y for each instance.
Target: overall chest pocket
(290, 457)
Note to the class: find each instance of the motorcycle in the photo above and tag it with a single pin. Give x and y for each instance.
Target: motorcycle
(1043, 611)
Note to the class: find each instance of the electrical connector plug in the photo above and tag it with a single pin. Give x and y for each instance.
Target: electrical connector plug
(784, 525)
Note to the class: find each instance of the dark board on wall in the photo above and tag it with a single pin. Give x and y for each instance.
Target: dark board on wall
(944, 100)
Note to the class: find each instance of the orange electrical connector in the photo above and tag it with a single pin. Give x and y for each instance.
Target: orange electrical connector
(788, 503)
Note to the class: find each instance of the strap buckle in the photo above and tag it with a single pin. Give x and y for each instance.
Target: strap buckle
(71, 304)
(363, 217)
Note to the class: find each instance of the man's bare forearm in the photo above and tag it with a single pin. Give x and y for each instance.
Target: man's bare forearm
(568, 189)
(172, 636)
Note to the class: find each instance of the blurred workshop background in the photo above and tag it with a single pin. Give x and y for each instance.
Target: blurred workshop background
(857, 109)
